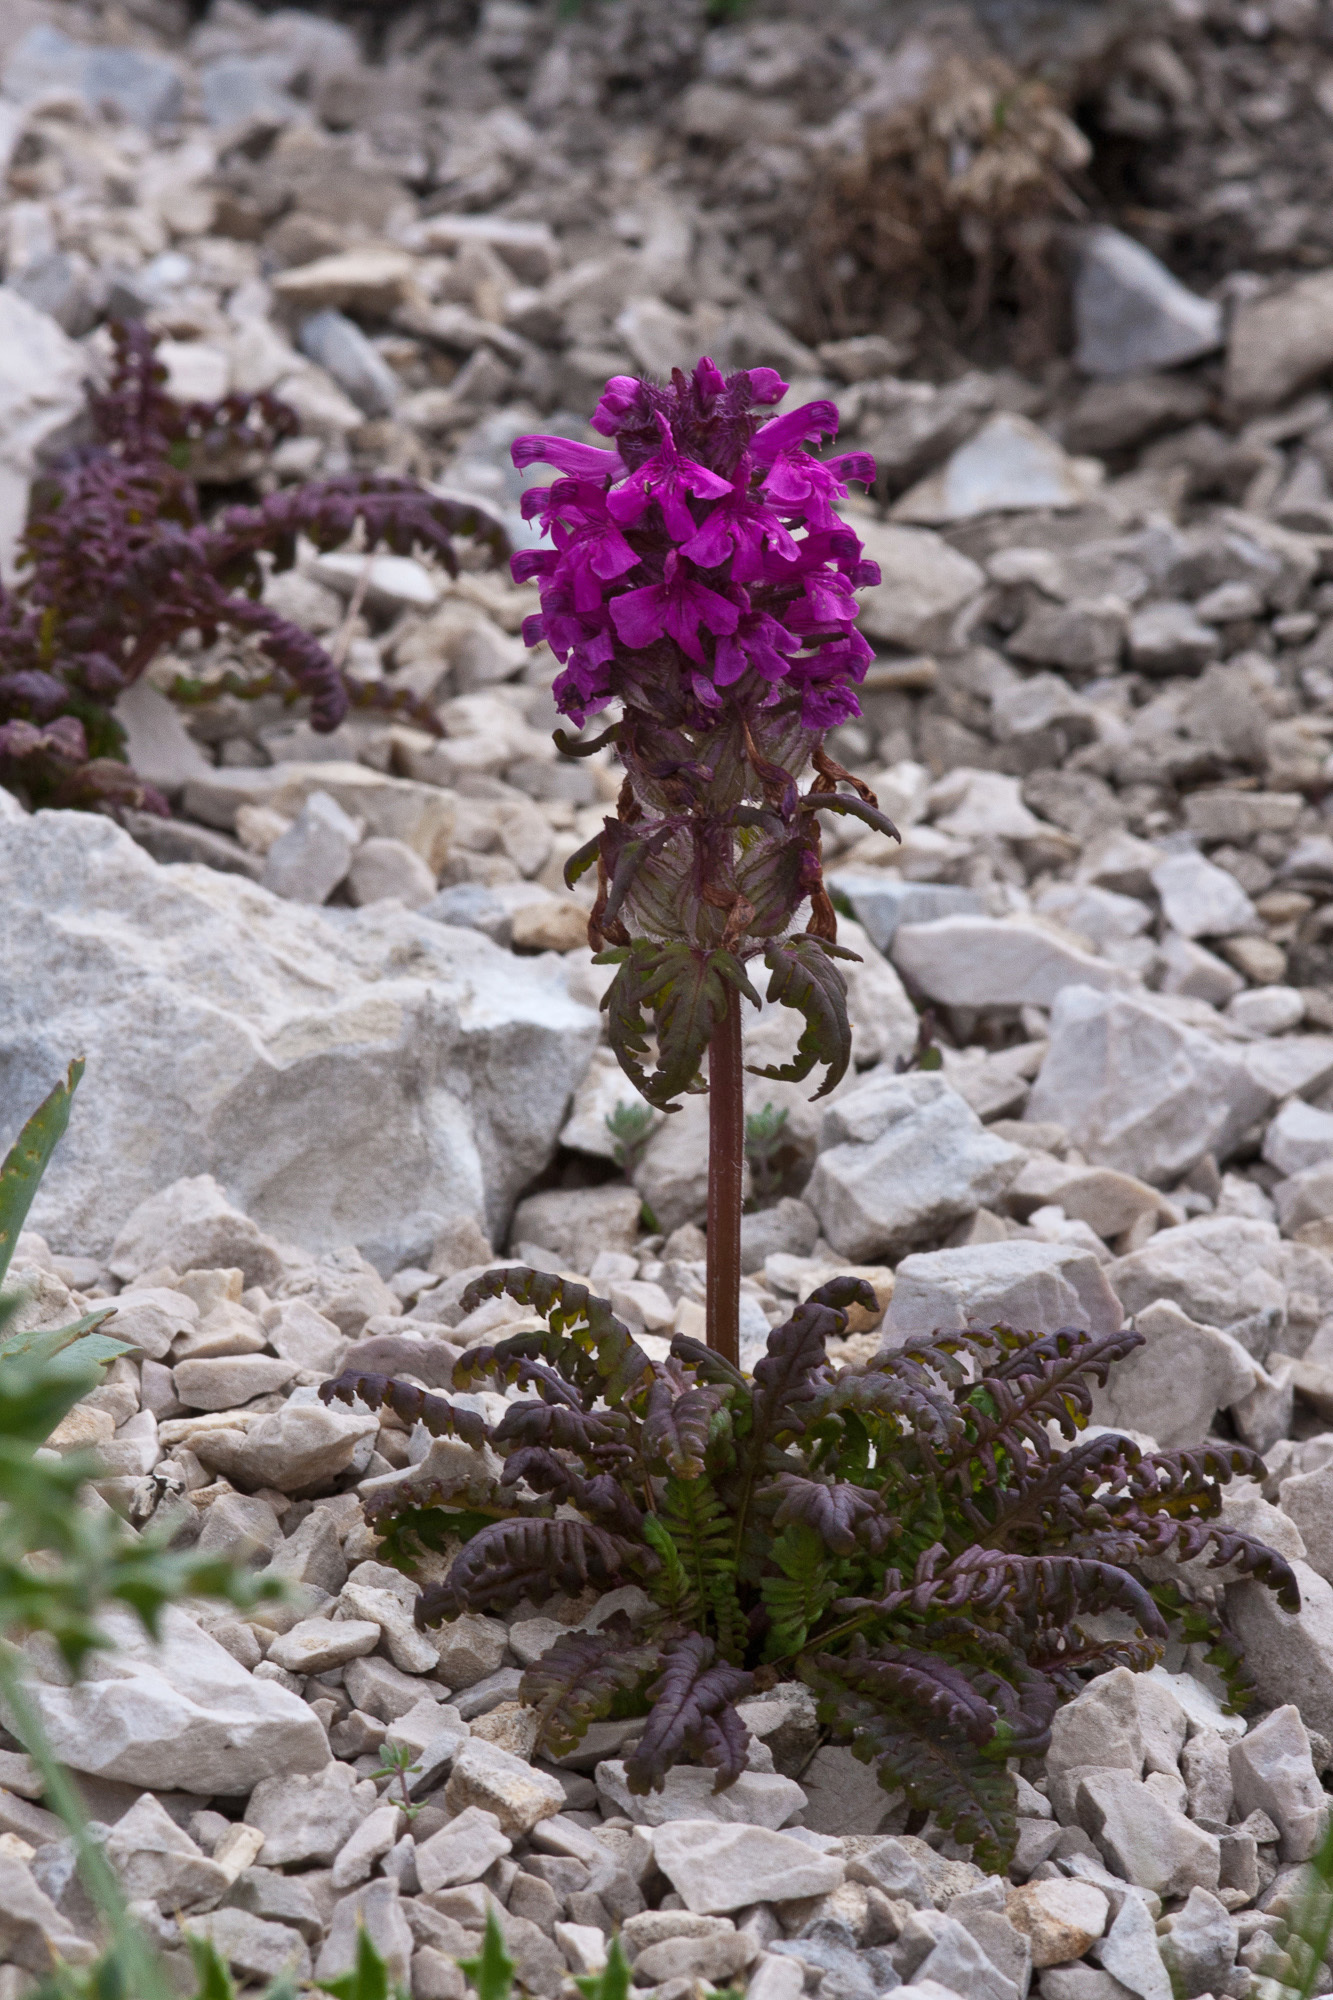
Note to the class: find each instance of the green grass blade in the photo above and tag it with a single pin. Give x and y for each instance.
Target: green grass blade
(41, 1343)
(613, 1981)
(27, 1161)
(1313, 1927)
(492, 1971)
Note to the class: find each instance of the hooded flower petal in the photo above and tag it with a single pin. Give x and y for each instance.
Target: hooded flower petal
(585, 461)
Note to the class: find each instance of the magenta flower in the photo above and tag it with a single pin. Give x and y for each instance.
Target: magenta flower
(709, 537)
(667, 478)
(595, 552)
(676, 608)
(584, 461)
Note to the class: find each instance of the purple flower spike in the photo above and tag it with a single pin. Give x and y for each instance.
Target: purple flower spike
(709, 535)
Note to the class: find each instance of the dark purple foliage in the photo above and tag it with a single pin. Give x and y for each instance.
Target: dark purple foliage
(119, 559)
(923, 1540)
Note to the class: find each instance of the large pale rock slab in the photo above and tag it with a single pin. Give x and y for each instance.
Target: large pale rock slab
(1199, 899)
(1022, 1284)
(361, 1082)
(1307, 1499)
(1129, 1953)
(904, 1158)
(714, 1867)
(1173, 1386)
(924, 586)
(190, 1226)
(33, 1933)
(421, 815)
(1060, 1918)
(1280, 342)
(509, 1788)
(1224, 1271)
(307, 1820)
(997, 962)
(1143, 1839)
(757, 1798)
(1009, 466)
(376, 1908)
(462, 1851)
(1272, 1771)
(300, 1446)
(1131, 314)
(180, 1717)
(253, 1948)
(1138, 1090)
(41, 389)
(158, 1862)
(1288, 1654)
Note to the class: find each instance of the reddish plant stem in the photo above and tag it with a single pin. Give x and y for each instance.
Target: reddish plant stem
(726, 1173)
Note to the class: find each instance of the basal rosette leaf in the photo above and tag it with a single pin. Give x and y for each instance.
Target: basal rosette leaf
(692, 1715)
(508, 1560)
(408, 1401)
(579, 1679)
(842, 1515)
(676, 1427)
(621, 1368)
(898, 1723)
(798, 1597)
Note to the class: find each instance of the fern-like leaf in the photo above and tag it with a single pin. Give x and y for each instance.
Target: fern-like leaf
(676, 1427)
(622, 1368)
(408, 1401)
(797, 1598)
(803, 976)
(942, 1770)
(692, 1715)
(840, 1514)
(579, 1679)
(530, 1558)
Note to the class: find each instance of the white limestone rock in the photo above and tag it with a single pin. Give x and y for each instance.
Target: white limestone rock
(366, 1083)
(183, 1716)
(757, 1798)
(1173, 1386)
(1131, 314)
(1019, 1283)
(904, 1157)
(998, 962)
(715, 1867)
(1137, 1089)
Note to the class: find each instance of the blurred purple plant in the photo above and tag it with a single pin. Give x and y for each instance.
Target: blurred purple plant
(702, 578)
(118, 560)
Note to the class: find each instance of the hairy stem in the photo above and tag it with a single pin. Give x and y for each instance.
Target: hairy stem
(726, 1172)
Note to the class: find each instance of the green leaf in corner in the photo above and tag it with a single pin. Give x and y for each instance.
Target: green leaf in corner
(612, 1982)
(210, 1969)
(27, 1161)
(492, 1970)
(41, 1343)
(804, 977)
(369, 1978)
